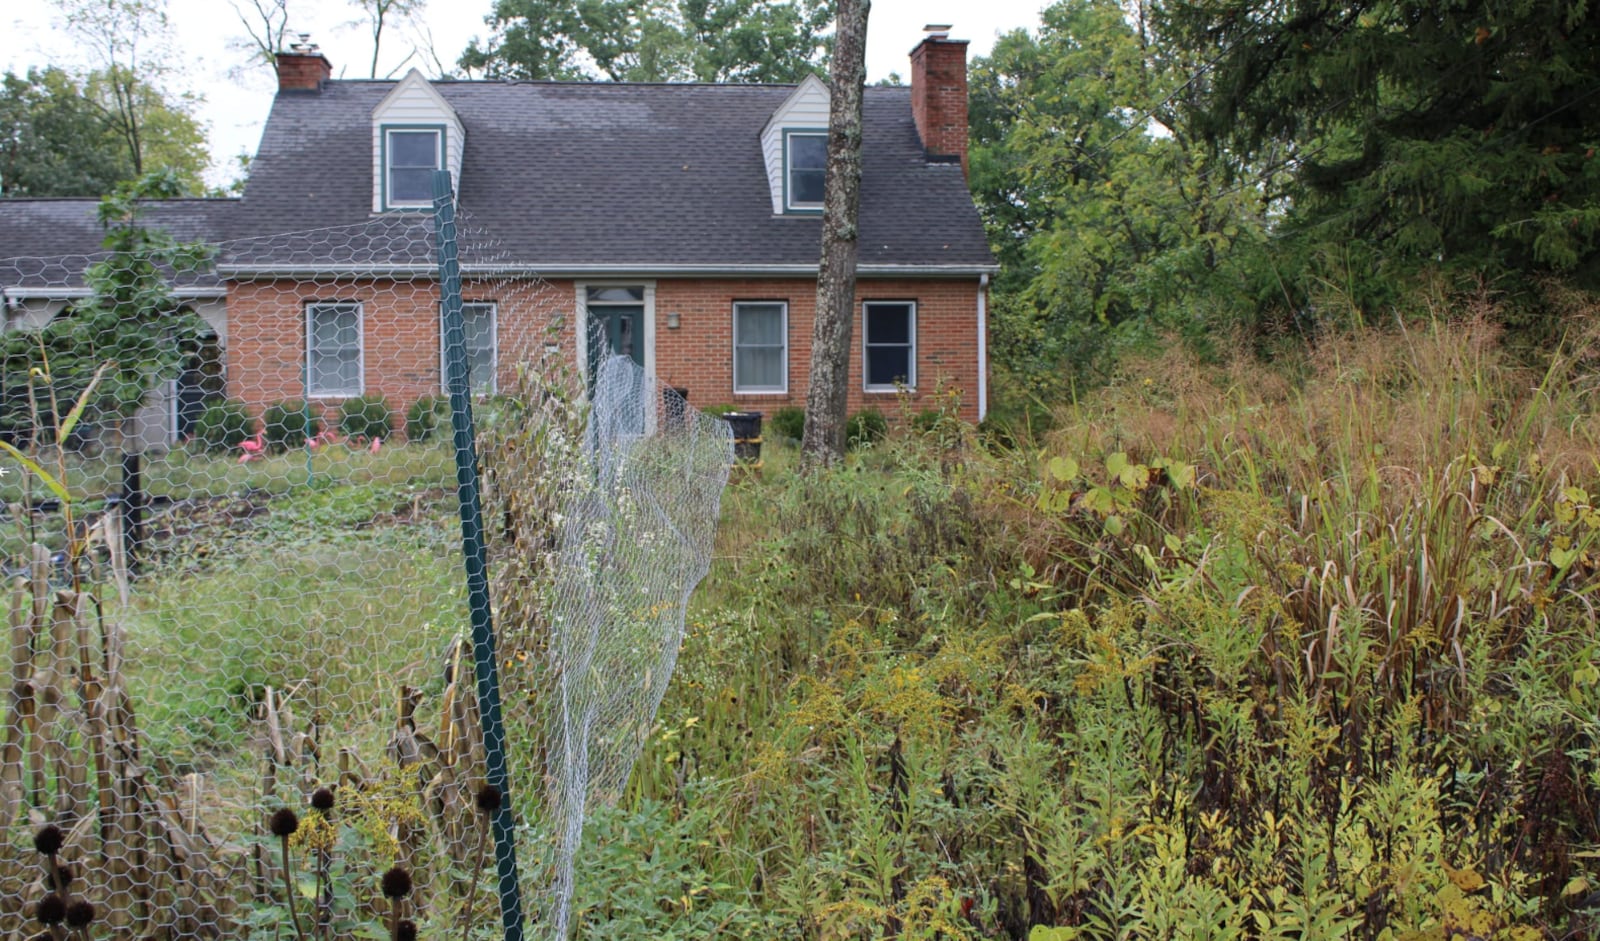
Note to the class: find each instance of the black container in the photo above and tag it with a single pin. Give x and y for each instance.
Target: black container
(746, 435)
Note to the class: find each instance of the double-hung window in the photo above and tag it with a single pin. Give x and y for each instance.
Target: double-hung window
(411, 155)
(890, 329)
(760, 347)
(478, 320)
(333, 349)
(805, 160)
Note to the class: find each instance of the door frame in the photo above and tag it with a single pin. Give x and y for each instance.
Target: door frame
(581, 297)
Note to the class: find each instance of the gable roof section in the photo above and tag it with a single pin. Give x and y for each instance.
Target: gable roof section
(591, 178)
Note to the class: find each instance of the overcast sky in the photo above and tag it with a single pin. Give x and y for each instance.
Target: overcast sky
(235, 105)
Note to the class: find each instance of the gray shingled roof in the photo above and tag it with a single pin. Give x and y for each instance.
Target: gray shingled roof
(557, 177)
(573, 176)
(46, 243)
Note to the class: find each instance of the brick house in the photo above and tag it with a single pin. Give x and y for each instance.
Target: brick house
(683, 220)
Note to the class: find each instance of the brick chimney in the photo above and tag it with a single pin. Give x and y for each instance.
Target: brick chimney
(939, 94)
(302, 67)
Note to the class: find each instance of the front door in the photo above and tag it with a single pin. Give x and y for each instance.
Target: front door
(621, 326)
(616, 325)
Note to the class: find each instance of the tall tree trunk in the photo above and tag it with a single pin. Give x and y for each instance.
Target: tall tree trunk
(826, 399)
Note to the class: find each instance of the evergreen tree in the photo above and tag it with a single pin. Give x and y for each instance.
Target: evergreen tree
(1418, 134)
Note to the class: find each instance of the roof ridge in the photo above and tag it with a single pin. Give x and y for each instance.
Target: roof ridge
(565, 83)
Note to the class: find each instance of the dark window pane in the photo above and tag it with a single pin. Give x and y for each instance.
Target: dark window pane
(414, 149)
(410, 186)
(808, 151)
(888, 323)
(887, 365)
(805, 186)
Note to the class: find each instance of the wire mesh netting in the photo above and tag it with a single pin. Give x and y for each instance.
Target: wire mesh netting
(236, 590)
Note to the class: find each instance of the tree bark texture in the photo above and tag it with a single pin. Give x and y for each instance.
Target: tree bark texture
(826, 398)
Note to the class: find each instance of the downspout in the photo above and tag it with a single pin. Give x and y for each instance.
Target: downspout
(983, 346)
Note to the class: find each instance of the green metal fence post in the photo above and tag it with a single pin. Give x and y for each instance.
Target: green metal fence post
(472, 545)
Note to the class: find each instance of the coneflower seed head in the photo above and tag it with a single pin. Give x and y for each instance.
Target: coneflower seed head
(488, 798)
(283, 823)
(49, 839)
(406, 930)
(80, 914)
(52, 909)
(396, 883)
(322, 799)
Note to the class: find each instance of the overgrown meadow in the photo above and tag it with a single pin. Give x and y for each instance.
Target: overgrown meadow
(1293, 651)
(1224, 649)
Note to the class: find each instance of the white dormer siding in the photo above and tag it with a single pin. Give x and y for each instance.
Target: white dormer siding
(804, 110)
(413, 106)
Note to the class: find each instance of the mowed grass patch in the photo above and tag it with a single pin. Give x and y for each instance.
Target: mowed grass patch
(333, 623)
(183, 474)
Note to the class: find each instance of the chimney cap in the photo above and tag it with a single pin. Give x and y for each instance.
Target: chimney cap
(305, 46)
(937, 30)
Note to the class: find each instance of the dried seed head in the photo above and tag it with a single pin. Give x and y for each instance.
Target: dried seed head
(406, 930)
(80, 914)
(396, 883)
(49, 839)
(283, 823)
(322, 799)
(488, 798)
(52, 909)
(67, 874)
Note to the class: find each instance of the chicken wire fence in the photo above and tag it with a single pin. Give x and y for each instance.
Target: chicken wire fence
(240, 520)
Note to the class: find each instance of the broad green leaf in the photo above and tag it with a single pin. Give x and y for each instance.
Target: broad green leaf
(48, 478)
(1099, 500)
(1117, 462)
(1063, 468)
(1114, 525)
(1173, 542)
(77, 410)
(1562, 558)
(1181, 474)
(1135, 477)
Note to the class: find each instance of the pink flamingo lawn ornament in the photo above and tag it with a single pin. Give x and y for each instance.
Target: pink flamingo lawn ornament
(326, 436)
(253, 447)
(376, 444)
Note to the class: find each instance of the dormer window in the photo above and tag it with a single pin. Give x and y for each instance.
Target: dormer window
(411, 155)
(805, 160)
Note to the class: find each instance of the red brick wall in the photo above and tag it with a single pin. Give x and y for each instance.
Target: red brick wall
(400, 333)
(699, 354)
(939, 96)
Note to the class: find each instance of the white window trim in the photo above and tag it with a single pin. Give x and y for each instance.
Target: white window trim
(790, 204)
(494, 347)
(389, 130)
(361, 350)
(581, 290)
(781, 389)
(911, 380)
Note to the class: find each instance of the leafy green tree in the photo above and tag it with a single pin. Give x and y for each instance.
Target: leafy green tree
(162, 132)
(1420, 135)
(54, 140)
(1111, 225)
(131, 332)
(756, 40)
(651, 40)
(61, 135)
